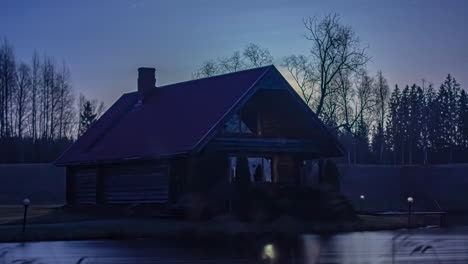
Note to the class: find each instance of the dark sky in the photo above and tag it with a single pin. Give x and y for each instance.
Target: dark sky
(104, 42)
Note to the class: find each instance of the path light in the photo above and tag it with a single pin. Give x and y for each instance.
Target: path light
(269, 253)
(410, 203)
(361, 199)
(26, 203)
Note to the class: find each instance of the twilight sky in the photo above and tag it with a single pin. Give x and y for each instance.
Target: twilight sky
(104, 42)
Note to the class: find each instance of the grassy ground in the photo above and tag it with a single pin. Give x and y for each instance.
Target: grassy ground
(67, 224)
(371, 222)
(9, 214)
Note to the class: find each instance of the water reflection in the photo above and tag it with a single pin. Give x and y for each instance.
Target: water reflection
(406, 246)
(115, 252)
(420, 246)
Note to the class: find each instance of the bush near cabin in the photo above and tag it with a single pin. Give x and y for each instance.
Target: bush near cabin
(319, 203)
(264, 202)
(331, 176)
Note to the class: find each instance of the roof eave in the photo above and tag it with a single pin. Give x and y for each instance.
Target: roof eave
(120, 160)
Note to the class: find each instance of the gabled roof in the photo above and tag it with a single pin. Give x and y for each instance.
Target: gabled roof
(176, 119)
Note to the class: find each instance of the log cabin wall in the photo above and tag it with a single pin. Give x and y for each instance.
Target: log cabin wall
(132, 182)
(136, 183)
(81, 185)
(69, 185)
(178, 177)
(274, 114)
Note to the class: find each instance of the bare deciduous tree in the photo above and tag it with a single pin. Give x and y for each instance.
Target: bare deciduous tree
(382, 93)
(21, 96)
(231, 64)
(301, 70)
(251, 57)
(65, 110)
(345, 97)
(257, 56)
(7, 85)
(35, 79)
(38, 117)
(208, 69)
(47, 75)
(335, 48)
(365, 96)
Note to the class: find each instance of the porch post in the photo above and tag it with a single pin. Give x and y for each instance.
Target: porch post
(321, 173)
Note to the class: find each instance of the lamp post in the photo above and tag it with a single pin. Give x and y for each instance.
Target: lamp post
(26, 203)
(410, 203)
(361, 199)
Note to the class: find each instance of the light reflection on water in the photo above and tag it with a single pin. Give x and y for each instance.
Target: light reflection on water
(404, 246)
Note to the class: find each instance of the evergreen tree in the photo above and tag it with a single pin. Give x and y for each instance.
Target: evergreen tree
(404, 121)
(378, 142)
(416, 105)
(382, 93)
(87, 117)
(447, 110)
(463, 125)
(428, 124)
(393, 128)
(361, 139)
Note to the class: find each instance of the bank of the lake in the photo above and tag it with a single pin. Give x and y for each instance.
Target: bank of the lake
(131, 228)
(422, 245)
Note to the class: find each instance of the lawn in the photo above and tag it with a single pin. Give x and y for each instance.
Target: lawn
(70, 224)
(11, 214)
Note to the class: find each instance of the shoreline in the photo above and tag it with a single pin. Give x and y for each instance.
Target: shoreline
(154, 228)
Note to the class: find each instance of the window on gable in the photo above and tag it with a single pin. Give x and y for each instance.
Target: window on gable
(236, 126)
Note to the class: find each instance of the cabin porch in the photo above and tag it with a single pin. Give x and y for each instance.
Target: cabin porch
(284, 162)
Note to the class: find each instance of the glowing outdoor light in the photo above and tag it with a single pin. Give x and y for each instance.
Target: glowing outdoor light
(26, 203)
(410, 202)
(269, 252)
(362, 197)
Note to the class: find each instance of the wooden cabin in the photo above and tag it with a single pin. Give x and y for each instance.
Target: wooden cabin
(152, 142)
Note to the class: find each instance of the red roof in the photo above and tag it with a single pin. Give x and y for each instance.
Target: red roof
(174, 120)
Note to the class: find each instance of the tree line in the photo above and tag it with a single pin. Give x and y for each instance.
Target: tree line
(414, 125)
(425, 125)
(39, 116)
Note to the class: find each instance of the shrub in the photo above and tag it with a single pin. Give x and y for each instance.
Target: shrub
(332, 175)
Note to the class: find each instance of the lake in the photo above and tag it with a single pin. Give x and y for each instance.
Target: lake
(402, 246)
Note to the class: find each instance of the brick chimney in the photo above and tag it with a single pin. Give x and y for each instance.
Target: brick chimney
(146, 82)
